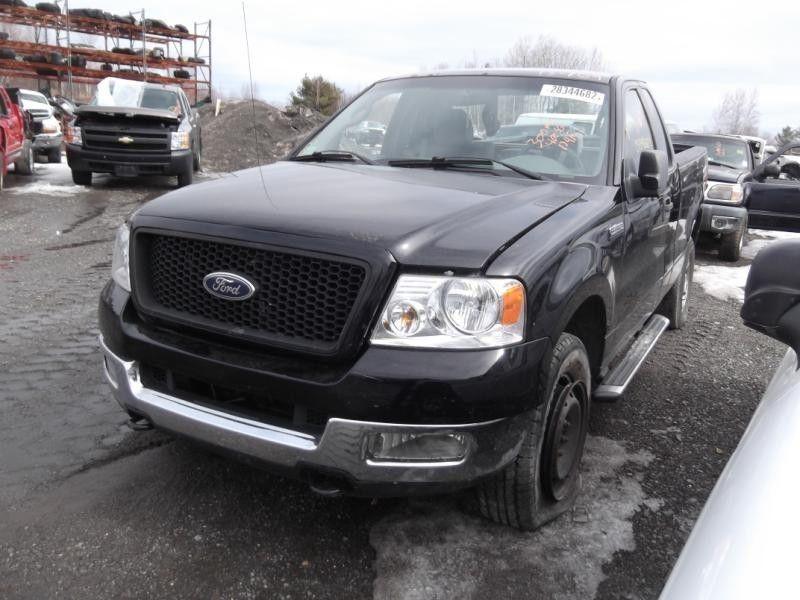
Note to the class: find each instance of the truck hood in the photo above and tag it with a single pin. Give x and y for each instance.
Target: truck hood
(422, 217)
(116, 111)
(724, 174)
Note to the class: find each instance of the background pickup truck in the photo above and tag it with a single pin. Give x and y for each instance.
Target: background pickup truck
(431, 313)
(132, 128)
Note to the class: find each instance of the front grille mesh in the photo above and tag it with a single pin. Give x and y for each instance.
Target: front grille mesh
(300, 298)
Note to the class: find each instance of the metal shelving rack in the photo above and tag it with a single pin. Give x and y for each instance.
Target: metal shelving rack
(53, 32)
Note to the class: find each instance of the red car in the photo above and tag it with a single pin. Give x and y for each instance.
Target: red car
(15, 143)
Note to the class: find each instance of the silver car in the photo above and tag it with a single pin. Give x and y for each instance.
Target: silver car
(745, 543)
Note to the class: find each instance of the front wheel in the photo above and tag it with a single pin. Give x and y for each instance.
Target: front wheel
(730, 248)
(185, 177)
(24, 164)
(544, 479)
(54, 155)
(81, 177)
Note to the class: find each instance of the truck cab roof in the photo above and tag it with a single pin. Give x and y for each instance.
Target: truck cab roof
(576, 75)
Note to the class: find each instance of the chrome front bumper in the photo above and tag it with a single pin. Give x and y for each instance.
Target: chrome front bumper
(340, 449)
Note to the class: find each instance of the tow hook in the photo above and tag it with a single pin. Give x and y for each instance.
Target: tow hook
(139, 424)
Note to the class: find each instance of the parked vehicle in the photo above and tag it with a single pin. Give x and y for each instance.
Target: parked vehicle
(772, 191)
(742, 544)
(47, 132)
(437, 318)
(16, 146)
(724, 213)
(133, 128)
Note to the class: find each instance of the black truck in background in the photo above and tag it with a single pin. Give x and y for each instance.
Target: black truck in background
(132, 128)
(427, 314)
(742, 193)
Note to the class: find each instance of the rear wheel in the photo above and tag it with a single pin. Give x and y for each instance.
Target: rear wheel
(54, 155)
(544, 479)
(675, 305)
(196, 161)
(81, 177)
(24, 164)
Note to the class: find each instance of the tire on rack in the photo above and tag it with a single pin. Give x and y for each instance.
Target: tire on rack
(675, 305)
(8, 54)
(544, 479)
(25, 163)
(49, 7)
(81, 177)
(730, 247)
(181, 74)
(54, 155)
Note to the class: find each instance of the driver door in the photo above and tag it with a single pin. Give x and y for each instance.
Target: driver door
(773, 198)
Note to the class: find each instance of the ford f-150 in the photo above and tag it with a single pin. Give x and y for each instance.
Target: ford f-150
(431, 314)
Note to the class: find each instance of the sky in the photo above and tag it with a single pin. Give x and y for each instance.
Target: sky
(691, 53)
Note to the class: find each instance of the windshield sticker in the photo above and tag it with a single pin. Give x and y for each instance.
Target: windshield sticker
(555, 135)
(572, 93)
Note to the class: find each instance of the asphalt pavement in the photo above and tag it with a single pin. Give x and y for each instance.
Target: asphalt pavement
(90, 509)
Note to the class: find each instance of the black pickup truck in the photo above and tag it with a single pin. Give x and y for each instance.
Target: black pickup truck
(431, 313)
(133, 128)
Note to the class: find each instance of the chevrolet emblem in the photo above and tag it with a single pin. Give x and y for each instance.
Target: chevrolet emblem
(125, 140)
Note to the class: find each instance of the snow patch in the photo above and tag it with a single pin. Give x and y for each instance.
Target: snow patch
(757, 239)
(431, 549)
(47, 189)
(725, 283)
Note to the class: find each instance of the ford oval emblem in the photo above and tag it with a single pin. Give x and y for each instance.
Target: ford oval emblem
(228, 286)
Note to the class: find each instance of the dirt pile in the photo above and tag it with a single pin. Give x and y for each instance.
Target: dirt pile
(229, 138)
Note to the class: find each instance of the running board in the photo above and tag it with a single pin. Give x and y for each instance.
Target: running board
(614, 384)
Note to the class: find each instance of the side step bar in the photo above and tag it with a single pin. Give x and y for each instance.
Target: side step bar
(614, 384)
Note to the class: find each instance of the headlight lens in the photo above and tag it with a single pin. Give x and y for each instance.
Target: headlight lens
(452, 312)
(120, 268)
(180, 140)
(725, 192)
(74, 135)
(51, 125)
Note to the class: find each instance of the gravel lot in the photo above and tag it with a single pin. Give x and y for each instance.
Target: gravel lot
(89, 509)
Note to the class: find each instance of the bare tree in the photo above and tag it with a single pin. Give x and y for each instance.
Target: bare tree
(737, 113)
(549, 52)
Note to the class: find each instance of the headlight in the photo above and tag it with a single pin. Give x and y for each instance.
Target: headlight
(452, 312)
(120, 268)
(180, 140)
(725, 192)
(51, 125)
(74, 135)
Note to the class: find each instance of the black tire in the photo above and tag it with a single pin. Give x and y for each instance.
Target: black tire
(8, 54)
(4, 35)
(185, 177)
(81, 177)
(25, 163)
(675, 305)
(544, 479)
(730, 247)
(181, 74)
(196, 161)
(48, 7)
(54, 155)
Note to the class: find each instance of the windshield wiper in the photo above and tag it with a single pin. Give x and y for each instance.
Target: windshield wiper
(718, 164)
(333, 156)
(444, 162)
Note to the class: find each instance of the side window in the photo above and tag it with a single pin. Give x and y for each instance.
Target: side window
(637, 135)
(662, 142)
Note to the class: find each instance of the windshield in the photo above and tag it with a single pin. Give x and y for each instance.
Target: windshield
(135, 94)
(727, 152)
(551, 127)
(31, 97)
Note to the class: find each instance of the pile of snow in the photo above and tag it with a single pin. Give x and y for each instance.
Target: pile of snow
(727, 283)
(46, 189)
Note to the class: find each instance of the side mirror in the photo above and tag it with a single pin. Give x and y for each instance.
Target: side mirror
(772, 293)
(770, 170)
(652, 174)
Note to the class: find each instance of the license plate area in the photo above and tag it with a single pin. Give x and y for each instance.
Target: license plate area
(125, 170)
